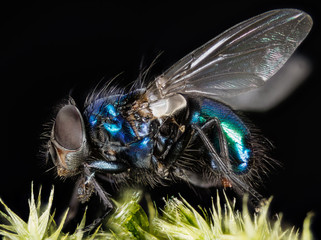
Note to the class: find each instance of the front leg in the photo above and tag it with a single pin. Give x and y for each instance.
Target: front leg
(88, 184)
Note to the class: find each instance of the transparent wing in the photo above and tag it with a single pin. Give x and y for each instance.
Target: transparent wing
(294, 72)
(240, 59)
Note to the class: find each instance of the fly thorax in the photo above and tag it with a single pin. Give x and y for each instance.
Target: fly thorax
(120, 129)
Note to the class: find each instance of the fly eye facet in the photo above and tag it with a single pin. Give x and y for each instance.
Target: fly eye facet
(68, 129)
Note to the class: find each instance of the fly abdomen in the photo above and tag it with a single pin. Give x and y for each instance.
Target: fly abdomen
(234, 144)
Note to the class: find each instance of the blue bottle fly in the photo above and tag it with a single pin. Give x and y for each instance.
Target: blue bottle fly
(180, 126)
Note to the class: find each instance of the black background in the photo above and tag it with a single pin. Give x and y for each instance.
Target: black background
(53, 49)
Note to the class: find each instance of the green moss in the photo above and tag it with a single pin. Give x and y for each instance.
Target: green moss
(178, 220)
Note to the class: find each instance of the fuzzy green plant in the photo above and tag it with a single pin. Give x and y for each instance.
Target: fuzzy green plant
(177, 220)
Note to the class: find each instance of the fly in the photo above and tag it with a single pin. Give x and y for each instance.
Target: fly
(182, 124)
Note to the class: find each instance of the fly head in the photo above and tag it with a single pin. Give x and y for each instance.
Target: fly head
(68, 145)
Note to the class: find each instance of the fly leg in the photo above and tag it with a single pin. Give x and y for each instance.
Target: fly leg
(220, 161)
(73, 207)
(82, 191)
(87, 184)
(97, 221)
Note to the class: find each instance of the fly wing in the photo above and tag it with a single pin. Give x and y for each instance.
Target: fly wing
(240, 59)
(294, 72)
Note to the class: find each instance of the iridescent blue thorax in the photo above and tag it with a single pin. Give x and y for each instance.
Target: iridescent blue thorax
(235, 131)
(122, 136)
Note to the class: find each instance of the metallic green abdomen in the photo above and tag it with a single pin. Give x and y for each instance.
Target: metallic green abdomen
(236, 133)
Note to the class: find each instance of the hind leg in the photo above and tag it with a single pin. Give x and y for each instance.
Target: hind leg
(217, 159)
(220, 162)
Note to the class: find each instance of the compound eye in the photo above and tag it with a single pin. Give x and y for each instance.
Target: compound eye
(68, 129)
